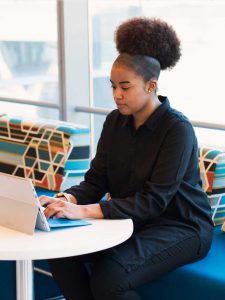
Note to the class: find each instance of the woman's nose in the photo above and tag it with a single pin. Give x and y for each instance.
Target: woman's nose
(117, 94)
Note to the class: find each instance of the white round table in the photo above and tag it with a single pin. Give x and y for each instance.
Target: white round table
(23, 248)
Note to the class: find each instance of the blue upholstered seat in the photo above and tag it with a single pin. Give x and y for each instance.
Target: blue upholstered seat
(204, 279)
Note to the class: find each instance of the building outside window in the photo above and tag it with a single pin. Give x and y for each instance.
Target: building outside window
(28, 55)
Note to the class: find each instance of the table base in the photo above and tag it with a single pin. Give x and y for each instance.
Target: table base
(24, 280)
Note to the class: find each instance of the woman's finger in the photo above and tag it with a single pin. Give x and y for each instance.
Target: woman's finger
(58, 214)
(53, 208)
(45, 200)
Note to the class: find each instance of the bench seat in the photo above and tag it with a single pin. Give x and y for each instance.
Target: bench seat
(204, 279)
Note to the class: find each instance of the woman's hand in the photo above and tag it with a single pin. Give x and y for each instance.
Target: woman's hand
(46, 200)
(58, 207)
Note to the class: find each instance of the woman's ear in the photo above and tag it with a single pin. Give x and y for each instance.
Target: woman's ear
(151, 85)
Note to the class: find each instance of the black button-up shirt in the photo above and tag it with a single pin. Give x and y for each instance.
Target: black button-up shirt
(151, 173)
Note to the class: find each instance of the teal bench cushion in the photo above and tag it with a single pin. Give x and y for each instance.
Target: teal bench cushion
(41, 191)
(204, 279)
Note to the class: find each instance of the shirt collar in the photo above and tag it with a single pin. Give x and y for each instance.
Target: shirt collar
(155, 117)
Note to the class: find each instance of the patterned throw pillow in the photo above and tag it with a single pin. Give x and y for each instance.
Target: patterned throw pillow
(51, 153)
(212, 169)
(78, 158)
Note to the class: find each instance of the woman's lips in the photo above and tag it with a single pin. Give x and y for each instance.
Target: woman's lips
(121, 106)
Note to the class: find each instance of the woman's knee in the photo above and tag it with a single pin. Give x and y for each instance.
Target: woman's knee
(62, 266)
(107, 278)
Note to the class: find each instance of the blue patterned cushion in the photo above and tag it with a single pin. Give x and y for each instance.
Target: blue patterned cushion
(53, 154)
(212, 168)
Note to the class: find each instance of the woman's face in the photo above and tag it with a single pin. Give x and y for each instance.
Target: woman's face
(130, 92)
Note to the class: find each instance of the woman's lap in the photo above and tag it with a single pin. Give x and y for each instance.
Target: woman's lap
(146, 246)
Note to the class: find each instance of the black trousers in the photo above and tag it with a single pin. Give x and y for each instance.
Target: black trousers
(116, 272)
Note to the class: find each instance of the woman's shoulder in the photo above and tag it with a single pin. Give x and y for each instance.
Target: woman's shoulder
(171, 115)
(174, 116)
(175, 122)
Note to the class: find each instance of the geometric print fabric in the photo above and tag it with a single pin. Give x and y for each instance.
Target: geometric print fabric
(212, 170)
(40, 150)
(207, 164)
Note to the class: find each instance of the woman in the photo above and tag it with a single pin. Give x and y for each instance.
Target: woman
(147, 160)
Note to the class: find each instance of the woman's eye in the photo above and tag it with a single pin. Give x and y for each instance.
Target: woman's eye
(123, 88)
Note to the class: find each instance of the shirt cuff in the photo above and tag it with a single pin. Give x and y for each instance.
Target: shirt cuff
(105, 209)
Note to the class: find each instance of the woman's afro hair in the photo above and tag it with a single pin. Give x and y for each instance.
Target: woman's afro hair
(151, 37)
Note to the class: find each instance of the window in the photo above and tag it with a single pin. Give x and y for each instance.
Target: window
(28, 55)
(195, 85)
